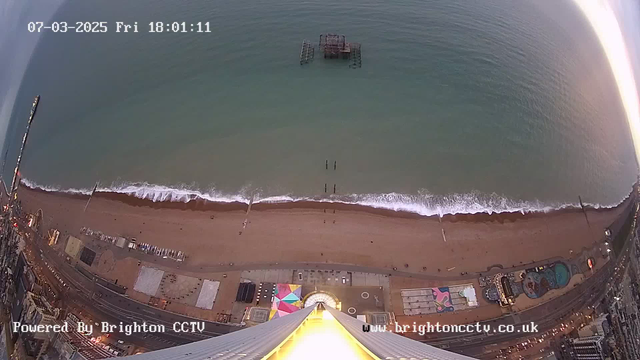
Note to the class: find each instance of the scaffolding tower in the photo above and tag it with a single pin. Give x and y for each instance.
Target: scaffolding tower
(355, 56)
(306, 52)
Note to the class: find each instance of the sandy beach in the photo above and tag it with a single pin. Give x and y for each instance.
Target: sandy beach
(215, 234)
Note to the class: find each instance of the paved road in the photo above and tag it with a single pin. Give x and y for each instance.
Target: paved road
(79, 301)
(547, 315)
(185, 266)
(112, 307)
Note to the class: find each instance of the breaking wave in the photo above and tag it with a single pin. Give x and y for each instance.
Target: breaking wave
(422, 203)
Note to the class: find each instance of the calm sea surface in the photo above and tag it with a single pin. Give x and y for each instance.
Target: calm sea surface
(460, 106)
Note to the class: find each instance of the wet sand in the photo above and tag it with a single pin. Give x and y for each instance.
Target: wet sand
(214, 233)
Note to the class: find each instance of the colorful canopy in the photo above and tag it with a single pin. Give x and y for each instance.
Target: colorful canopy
(286, 300)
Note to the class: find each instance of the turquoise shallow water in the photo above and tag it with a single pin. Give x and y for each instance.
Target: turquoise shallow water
(459, 106)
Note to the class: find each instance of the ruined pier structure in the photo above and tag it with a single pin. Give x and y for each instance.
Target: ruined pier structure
(333, 46)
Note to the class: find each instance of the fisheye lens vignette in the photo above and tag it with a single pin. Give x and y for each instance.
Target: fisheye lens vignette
(320, 180)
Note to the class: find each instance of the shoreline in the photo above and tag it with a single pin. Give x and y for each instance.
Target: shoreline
(214, 234)
(201, 204)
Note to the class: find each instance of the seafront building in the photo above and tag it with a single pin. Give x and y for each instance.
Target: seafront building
(587, 348)
(315, 332)
(34, 304)
(599, 326)
(37, 312)
(622, 302)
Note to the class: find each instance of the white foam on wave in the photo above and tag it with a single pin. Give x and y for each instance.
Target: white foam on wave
(422, 203)
(155, 193)
(159, 193)
(452, 204)
(49, 188)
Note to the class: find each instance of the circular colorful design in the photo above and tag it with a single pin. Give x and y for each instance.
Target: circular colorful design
(531, 285)
(536, 284)
(550, 276)
(491, 293)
